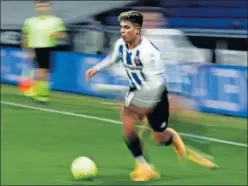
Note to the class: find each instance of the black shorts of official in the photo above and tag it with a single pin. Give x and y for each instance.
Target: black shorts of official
(43, 57)
(158, 117)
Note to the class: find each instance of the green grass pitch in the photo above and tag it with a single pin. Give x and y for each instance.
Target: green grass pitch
(38, 146)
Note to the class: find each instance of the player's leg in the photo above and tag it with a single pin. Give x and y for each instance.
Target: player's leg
(42, 85)
(144, 131)
(180, 107)
(171, 137)
(167, 136)
(133, 142)
(27, 80)
(144, 127)
(42, 72)
(130, 115)
(200, 158)
(29, 87)
(158, 120)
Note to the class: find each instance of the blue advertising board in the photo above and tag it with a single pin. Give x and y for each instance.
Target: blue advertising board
(210, 88)
(224, 90)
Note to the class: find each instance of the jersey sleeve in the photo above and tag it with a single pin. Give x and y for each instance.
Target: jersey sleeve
(25, 27)
(115, 54)
(60, 26)
(111, 59)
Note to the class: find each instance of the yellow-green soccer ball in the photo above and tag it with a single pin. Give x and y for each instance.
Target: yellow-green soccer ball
(83, 168)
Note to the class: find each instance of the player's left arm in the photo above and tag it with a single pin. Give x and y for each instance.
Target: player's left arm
(109, 60)
(60, 30)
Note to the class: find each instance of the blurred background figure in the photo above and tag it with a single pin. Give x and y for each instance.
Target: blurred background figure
(94, 38)
(39, 39)
(154, 17)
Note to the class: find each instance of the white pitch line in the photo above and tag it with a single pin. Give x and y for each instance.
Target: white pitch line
(114, 122)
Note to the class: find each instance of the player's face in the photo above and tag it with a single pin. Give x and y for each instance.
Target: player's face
(42, 8)
(129, 32)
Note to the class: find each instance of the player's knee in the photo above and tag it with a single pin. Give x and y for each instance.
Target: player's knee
(129, 120)
(129, 129)
(169, 139)
(142, 118)
(163, 138)
(130, 135)
(42, 74)
(158, 137)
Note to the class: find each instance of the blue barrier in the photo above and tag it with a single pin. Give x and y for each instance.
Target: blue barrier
(205, 3)
(208, 12)
(203, 23)
(217, 89)
(211, 88)
(226, 23)
(12, 65)
(221, 3)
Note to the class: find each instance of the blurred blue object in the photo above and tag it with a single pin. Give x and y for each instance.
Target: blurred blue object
(221, 3)
(201, 23)
(207, 12)
(209, 23)
(205, 3)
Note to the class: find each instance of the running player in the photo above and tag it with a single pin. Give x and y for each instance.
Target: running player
(39, 37)
(147, 95)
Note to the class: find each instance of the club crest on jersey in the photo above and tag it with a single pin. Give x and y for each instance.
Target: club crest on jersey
(137, 61)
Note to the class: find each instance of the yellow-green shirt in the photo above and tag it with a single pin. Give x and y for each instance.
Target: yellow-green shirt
(39, 29)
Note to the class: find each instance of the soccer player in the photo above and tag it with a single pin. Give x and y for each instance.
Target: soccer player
(39, 37)
(147, 95)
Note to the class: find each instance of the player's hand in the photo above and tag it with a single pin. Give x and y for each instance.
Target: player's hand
(91, 72)
(58, 35)
(30, 55)
(53, 35)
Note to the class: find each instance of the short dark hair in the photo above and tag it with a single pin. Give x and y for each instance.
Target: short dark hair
(134, 17)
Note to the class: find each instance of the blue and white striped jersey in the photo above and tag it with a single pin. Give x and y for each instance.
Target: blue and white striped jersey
(142, 64)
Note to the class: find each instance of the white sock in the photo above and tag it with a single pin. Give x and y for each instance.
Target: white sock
(141, 159)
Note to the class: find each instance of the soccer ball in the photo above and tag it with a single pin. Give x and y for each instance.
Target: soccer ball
(83, 168)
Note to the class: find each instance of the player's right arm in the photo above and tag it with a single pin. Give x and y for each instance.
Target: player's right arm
(105, 63)
(24, 40)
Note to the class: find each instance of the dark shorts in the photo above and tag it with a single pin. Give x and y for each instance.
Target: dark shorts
(158, 117)
(43, 57)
